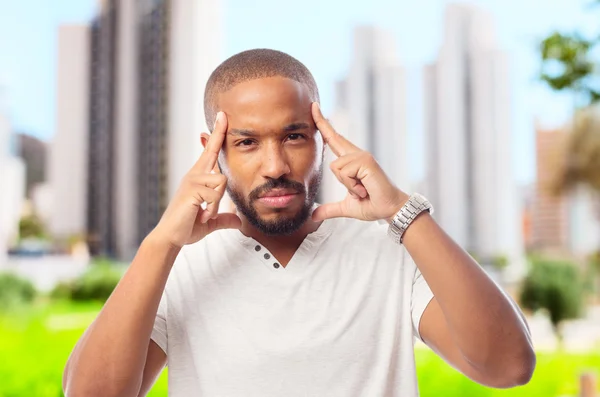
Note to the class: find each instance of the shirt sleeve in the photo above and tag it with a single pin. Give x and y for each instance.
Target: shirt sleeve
(159, 331)
(421, 296)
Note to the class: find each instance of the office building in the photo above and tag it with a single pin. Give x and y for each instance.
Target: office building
(550, 210)
(370, 108)
(468, 127)
(150, 63)
(67, 163)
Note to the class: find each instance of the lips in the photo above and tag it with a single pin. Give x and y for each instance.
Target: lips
(278, 193)
(278, 198)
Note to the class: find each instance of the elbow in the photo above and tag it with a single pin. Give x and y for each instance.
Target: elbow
(518, 371)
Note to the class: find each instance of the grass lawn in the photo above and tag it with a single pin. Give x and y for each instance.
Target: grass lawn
(556, 375)
(35, 343)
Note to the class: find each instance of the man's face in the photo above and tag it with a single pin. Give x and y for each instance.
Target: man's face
(273, 153)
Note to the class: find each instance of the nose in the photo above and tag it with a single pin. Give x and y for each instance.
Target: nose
(275, 162)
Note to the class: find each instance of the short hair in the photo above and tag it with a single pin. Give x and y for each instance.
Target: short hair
(251, 65)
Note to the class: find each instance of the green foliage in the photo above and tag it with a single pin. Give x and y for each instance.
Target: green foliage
(594, 272)
(500, 262)
(570, 63)
(54, 331)
(594, 260)
(567, 64)
(14, 291)
(556, 287)
(556, 374)
(41, 340)
(31, 227)
(97, 283)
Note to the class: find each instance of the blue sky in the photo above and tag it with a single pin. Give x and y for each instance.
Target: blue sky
(319, 34)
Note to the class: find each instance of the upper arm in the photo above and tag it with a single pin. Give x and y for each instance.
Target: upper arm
(156, 360)
(434, 331)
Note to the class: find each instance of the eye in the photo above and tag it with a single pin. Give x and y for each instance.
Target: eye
(245, 142)
(296, 137)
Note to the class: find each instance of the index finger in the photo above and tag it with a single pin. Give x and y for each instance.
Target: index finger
(208, 159)
(338, 144)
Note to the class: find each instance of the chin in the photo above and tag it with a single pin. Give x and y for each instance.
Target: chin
(280, 221)
(278, 214)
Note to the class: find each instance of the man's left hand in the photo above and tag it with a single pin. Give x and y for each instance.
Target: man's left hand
(371, 194)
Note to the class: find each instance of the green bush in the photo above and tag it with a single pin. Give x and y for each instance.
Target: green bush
(97, 283)
(594, 272)
(31, 227)
(556, 287)
(500, 262)
(15, 290)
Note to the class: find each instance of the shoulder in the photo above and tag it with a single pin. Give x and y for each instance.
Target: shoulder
(218, 241)
(351, 229)
(213, 249)
(371, 236)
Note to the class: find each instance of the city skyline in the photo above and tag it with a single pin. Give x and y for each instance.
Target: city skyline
(517, 30)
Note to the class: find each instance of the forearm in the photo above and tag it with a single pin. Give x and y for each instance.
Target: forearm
(109, 359)
(487, 328)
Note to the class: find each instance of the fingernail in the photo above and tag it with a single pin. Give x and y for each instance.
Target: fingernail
(318, 106)
(217, 119)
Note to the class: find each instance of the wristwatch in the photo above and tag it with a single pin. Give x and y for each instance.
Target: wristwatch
(415, 205)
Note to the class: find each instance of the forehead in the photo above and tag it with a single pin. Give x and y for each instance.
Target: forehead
(266, 102)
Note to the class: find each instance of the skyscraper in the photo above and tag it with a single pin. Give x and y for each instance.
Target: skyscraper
(127, 131)
(550, 215)
(150, 63)
(468, 119)
(371, 106)
(68, 152)
(101, 139)
(179, 46)
(33, 152)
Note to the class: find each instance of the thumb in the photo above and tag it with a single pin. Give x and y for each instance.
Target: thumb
(225, 221)
(327, 211)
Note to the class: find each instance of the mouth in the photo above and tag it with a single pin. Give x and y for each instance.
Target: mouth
(278, 198)
(278, 193)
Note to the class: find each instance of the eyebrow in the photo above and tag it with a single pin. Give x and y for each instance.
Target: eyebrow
(251, 133)
(296, 127)
(241, 132)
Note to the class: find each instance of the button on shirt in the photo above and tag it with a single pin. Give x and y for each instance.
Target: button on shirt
(339, 320)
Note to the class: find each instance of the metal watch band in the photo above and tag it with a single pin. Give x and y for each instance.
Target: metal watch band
(415, 205)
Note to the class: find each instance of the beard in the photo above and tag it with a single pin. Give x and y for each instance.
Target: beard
(283, 225)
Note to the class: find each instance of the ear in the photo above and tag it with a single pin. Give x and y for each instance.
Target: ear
(204, 139)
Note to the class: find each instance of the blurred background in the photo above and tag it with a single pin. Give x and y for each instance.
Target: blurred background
(490, 108)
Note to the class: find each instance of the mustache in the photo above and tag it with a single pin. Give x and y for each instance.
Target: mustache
(280, 183)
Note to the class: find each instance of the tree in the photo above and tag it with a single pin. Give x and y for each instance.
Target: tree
(500, 262)
(556, 287)
(570, 63)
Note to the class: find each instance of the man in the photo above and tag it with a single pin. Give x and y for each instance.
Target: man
(287, 298)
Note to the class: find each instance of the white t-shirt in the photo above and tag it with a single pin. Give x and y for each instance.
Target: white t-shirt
(339, 321)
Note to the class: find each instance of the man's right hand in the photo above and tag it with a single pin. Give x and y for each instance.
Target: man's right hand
(184, 221)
